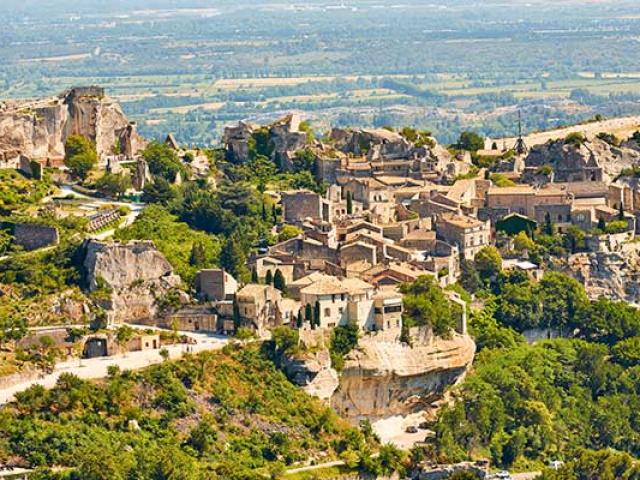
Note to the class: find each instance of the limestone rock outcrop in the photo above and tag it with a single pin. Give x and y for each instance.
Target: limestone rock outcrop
(313, 373)
(592, 160)
(135, 275)
(382, 379)
(612, 274)
(38, 129)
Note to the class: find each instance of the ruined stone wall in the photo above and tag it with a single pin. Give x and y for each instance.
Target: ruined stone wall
(33, 236)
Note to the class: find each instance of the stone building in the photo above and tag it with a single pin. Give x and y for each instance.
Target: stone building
(469, 234)
(215, 284)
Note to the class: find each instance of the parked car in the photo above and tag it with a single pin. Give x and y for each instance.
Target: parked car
(502, 476)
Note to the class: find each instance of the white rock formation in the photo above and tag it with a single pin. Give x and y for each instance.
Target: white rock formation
(382, 379)
(136, 274)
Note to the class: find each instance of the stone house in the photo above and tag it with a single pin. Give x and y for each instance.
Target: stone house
(387, 309)
(300, 205)
(215, 284)
(524, 199)
(341, 301)
(263, 307)
(199, 318)
(469, 234)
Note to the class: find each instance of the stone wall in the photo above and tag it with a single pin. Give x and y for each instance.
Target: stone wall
(33, 236)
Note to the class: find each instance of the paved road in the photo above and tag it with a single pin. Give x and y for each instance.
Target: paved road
(336, 463)
(97, 367)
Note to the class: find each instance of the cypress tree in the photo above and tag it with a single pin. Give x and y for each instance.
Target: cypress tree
(279, 282)
(234, 259)
(274, 214)
(198, 257)
(254, 276)
(548, 226)
(621, 212)
(308, 313)
(349, 203)
(268, 278)
(300, 320)
(602, 225)
(316, 314)
(236, 314)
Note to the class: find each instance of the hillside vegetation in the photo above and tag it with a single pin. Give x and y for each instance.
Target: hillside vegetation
(227, 415)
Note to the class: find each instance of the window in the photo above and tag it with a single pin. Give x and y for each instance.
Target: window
(342, 297)
(327, 312)
(341, 310)
(559, 218)
(393, 309)
(333, 298)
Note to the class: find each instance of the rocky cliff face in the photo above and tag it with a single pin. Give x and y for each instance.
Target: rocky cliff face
(593, 160)
(382, 379)
(313, 373)
(38, 129)
(135, 274)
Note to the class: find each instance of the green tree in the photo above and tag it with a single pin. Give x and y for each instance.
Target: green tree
(80, 156)
(519, 306)
(279, 281)
(391, 460)
(562, 298)
(254, 276)
(198, 257)
(159, 191)
(113, 185)
(548, 228)
(425, 304)
(233, 258)
(343, 340)
(488, 263)
(163, 161)
(287, 232)
(574, 239)
(308, 313)
(317, 319)
(602, 225)
(12, 329)
(124, 334)
(627, 352)
(349, 202)
(469, 277)
(304, 160)
(470, 141)
(268, 278)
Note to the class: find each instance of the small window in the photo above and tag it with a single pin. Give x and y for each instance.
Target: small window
(327, 312)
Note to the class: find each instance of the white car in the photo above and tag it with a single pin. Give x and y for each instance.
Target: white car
(502, 476)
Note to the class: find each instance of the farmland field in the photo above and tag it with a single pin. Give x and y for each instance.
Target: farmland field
(184, 67)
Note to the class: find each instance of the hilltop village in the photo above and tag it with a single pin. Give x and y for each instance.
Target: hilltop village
(380, 209)
(360, 254)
